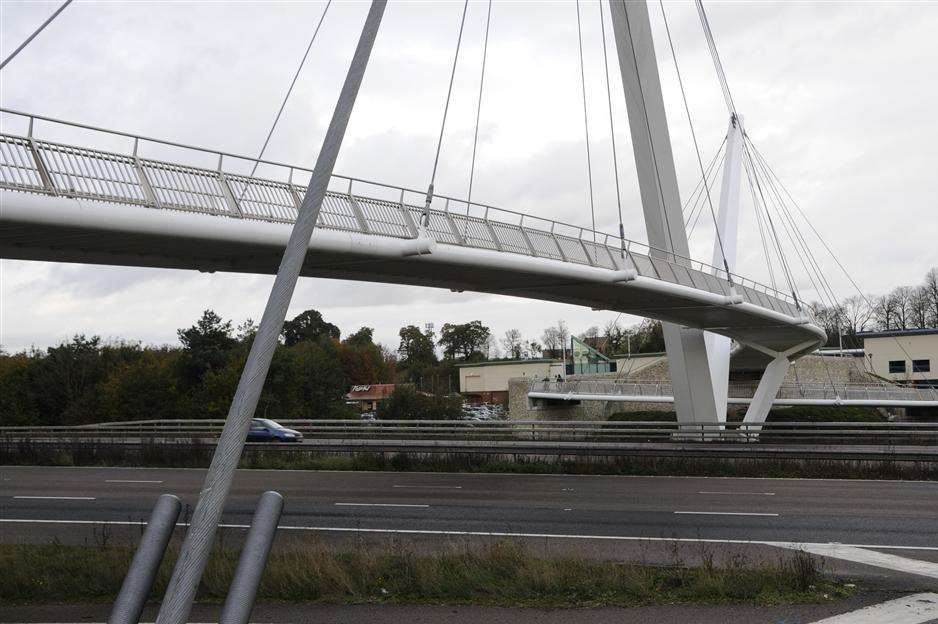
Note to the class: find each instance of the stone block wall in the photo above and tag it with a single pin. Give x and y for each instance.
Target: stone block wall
(811, 369)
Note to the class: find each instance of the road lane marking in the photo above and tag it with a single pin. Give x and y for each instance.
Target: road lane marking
(430, 487)
(871, 557)
(914, 609)
(131, 481)
(740, 493)
(623, 538)
(727, 513)
(56, 497)
(380, 505)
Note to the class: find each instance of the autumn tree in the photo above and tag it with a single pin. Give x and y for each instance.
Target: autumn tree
(466, 341)
(308, 326)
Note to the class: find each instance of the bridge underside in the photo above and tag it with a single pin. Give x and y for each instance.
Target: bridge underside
(61, 229)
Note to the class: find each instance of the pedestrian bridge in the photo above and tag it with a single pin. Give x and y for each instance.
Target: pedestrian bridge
(78, 203)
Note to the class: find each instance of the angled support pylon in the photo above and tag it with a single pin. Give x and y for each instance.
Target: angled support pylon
(719, 347)
(687, 352)
(772, 378)
(762, 400)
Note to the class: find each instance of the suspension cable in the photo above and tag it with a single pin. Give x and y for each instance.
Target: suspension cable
(475, 136)
(775, 179)
(693, 133)
(765, 247)
(449, 92)
(283, 104)
(721, 75)
(612, 131)
(782, 259)
(751, 164)
(812, 268)
(697, 195)
(699, 203)
(586, 124)
(697, 187)
(35, 32)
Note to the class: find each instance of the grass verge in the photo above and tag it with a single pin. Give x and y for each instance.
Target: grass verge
(504, 574)
(198, 455)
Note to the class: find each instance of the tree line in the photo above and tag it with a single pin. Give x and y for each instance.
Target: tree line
(85, 380)
(904, 307)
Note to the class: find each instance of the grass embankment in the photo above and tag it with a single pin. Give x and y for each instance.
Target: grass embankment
(505, 574)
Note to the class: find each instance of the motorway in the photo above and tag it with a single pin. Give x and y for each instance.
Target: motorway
(865, 513)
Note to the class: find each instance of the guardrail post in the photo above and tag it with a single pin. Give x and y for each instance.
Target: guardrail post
(40, 165)
(233, 208)
(408, 218)
(297, 200)
(527, 240)
(247, 576)
(553, 237)
(589, 257)
(140, 576)
(452, 225)
(142, 177)
(357, 210)
(498, 244)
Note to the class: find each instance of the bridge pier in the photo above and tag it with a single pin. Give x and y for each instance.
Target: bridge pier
(688, 362)
(768, 387)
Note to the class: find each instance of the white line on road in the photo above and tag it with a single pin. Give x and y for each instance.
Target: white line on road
(622, 538)
(56, 497)
(727, 513)
(380, 505)
(871, 557)
(430, 487)
(914, 609)
(741, 493)
(131, 481)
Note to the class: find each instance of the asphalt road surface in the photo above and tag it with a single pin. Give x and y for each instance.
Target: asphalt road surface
(868, 513)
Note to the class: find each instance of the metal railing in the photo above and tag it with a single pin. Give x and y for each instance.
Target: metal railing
(828, 392)
(517, 430)
(30, 164)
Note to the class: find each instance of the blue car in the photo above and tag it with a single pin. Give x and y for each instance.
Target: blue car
(265, 430)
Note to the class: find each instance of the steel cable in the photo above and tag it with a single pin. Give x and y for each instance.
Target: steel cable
(612, 131)
(42, 27)
(589, 165)
(693, 133)
(449, 93)
(475, 136)
(283, 104)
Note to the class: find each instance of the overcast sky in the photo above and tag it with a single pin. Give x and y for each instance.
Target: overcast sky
(839, 97)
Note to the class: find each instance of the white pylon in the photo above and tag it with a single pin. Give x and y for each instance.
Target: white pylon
(718, 347)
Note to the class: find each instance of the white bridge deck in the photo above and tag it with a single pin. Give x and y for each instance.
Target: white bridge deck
(76, 204)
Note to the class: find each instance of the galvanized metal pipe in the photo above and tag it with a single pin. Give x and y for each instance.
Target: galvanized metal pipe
(139, 579)
(197, 546)
(247, 577)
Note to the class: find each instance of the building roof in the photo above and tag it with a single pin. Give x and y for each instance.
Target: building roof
(373, 392)
(507, 362)
(892, 333)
